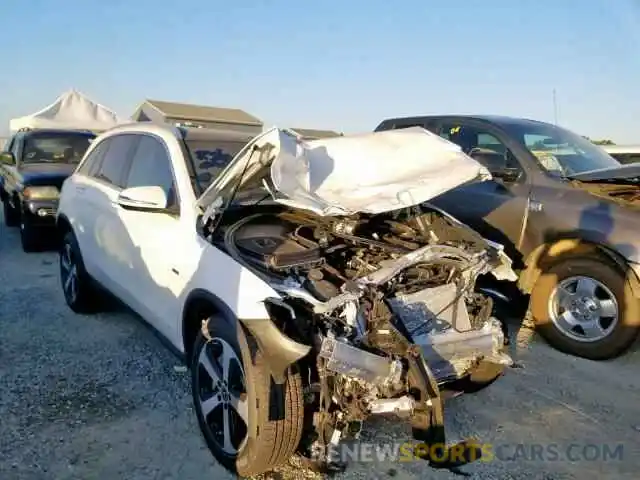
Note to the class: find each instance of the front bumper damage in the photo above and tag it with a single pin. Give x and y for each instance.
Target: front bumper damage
(424, 406)
(430, 362)
(432, 343)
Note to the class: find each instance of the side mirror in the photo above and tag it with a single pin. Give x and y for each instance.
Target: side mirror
(7, 158)
(148, 199)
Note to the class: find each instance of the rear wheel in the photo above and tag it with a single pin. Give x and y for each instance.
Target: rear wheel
(250, 424)
(77, 286)
(586, 307)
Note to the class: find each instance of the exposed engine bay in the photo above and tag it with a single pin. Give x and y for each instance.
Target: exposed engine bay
(386, 301)
(624, 193)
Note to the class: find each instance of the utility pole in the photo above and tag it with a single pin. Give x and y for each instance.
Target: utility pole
(555, 108)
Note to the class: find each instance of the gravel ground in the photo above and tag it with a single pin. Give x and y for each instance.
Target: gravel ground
(101, 397)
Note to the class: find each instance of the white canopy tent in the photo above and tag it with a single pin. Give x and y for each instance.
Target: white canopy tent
(71, 110)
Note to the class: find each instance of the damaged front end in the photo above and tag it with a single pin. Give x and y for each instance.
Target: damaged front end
(387, 304)
(376, 288)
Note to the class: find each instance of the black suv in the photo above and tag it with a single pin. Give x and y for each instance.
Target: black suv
(33, 166)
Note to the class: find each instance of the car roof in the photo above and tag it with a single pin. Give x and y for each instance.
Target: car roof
(54, 130)
(185, 133)
(499, 120)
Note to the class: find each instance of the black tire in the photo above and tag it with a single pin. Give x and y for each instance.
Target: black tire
(86, 298)
(275, 413)
(11, 218)
(621, 335)
(29, 236)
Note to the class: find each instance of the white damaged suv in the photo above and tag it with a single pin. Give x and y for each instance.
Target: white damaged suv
(307, 284)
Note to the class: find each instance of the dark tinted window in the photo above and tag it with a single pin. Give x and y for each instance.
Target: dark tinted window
(396, 124)
(90, 166)
(151, 166)
(114, 161)
(560, 152)
(626, 158)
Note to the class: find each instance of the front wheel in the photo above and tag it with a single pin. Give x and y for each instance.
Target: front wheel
(250, 424)
(586, 307)
(11, 218)
(29, 236)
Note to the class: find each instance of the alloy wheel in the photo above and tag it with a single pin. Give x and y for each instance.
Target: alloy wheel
(222, 395)
(69, 273)
(583, 309)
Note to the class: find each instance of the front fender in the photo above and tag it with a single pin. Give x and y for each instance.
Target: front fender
(279, 351)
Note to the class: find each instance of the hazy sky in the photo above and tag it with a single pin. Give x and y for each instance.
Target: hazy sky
(333, 64)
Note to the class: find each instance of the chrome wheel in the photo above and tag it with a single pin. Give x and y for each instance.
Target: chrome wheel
(222, 396)
(583, 309)
(69, 274)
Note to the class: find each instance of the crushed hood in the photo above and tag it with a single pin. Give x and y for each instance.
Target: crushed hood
(371, 173)
(623, 172)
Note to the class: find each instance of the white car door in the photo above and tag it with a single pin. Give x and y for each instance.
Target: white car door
(101, 235)
(161, 242)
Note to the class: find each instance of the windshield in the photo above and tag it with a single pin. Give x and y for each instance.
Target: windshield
(210, 157)
(561, 152)
(56, 147)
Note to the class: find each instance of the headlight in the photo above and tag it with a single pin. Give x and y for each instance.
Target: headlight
(41, 193)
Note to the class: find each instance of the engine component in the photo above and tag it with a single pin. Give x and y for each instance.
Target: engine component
(437, 308)
(388, 303)
(322, 289)
(399, 406)
(451, 354)
(354, 362)
(269, 245)
(345, 226)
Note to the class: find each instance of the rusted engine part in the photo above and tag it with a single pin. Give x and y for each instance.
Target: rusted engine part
(624, 194)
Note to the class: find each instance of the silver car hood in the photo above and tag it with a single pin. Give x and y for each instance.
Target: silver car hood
(370, 173)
